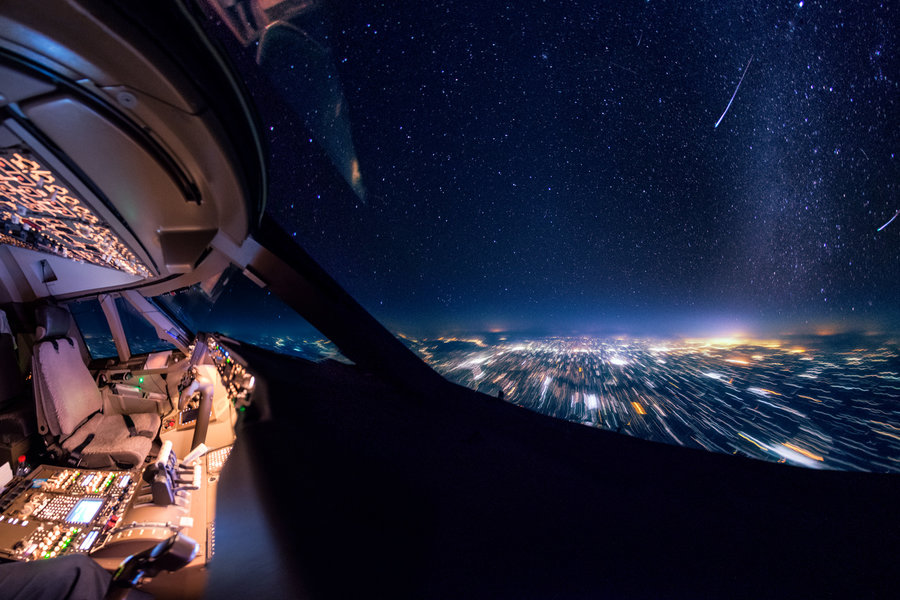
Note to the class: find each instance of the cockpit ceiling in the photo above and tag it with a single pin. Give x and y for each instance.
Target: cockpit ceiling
(126, 143)
(40, 211)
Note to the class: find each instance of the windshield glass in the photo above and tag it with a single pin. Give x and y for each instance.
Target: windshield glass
(233, 305)
(140, 335)
(94, 327)
(573, 205)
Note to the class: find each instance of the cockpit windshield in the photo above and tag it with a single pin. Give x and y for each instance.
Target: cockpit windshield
(672, 220)
(235, 306)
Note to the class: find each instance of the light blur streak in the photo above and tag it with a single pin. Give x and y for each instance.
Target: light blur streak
(795, 457)
(840, 408)
(474, 361)
(752, 441)
(547, 381)
(806, 453)
(891, 435)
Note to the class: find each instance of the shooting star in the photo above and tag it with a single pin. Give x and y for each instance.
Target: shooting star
(735, 92)
(633, 72)
(891, 220)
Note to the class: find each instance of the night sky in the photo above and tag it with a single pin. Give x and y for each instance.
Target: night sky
(531, 166)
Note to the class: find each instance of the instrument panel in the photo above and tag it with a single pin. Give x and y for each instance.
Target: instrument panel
(238, 382)
(59, 510)
(233, 379)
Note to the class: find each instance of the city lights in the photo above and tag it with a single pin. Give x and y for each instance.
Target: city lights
(815, 406)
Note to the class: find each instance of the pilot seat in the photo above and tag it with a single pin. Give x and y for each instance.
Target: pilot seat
(69, 404)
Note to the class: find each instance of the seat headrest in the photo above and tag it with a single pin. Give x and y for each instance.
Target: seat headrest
(52, 322)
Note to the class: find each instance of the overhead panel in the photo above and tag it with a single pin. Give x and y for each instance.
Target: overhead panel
(126, 143)
(40, 211)
(146, 191)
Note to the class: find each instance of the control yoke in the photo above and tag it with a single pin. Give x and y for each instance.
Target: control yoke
(197, 355)
(206, 389)
(191, 384)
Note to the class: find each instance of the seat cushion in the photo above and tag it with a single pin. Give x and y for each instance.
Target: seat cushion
(113, 445)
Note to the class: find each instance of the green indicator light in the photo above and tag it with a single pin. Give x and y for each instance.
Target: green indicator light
(242, 409)
(140, 380)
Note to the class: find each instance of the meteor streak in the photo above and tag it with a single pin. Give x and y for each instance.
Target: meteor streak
(891, 220)
(735, 92)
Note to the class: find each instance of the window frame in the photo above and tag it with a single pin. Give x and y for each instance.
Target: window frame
(180, 336)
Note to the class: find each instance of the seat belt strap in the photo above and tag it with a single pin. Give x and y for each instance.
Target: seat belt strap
(75, 454)
(132, 430)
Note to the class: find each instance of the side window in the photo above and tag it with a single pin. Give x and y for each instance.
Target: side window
(141, 335)
(93, 326)
(235, 306)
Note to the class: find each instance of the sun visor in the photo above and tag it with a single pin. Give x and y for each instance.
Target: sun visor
(16, 86)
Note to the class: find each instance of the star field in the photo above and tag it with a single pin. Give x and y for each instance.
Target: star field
(536, 166)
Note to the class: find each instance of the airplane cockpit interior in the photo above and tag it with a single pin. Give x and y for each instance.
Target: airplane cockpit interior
(140, 429)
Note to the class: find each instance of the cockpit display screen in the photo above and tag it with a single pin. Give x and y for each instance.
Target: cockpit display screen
(84, 511)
